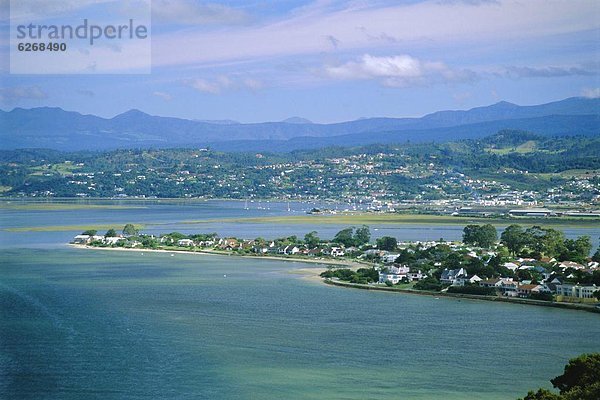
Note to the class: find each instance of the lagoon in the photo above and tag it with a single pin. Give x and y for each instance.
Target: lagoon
(99, 324)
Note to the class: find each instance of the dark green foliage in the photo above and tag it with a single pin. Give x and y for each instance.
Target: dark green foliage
(111, 233)
(596, 256)
(387, 243)
(542, 394)
(311, 239)
(130, 230)
(480, 235)
(362, 275)
(344, 237)
(576, 250)
(541, 296)
(362, 235)
(472, 289)
(90, 232)
(580, 381)
(429, 283)
(582, 371)
(353, 237)
(514, 238)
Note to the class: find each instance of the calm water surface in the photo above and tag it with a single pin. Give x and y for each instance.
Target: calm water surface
(78, 324)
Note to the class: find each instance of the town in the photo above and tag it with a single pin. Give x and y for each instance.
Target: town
(527, 263)
(489, 177)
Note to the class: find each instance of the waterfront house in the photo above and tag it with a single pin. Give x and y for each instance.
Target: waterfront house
(491, 283)
(576, 291)
(82, 239)
(509, 287)
(185, 243)
(466, 280)
(391, 277)
(112, 240)
(336, 252)
(527, 290)
(450, 275)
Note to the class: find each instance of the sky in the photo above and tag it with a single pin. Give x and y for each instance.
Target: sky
(324, 60)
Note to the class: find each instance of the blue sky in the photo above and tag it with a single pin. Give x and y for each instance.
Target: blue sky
(331, 61)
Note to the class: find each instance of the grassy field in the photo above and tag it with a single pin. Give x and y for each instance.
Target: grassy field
(65, 228)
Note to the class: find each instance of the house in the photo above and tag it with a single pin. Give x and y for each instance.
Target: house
(185, 242)
(527, 290)
(576, 291)
(260, 249)
(289, 250)
(113, 239)
(450, 275)
(491, 283)
(166, 239)
(391, 277)
(466, 280)
(570, 264)
(403, 269)
(315, 252)
(509, 287)
(416, 276)
(336, 252)
(512, 266)
(82, 239)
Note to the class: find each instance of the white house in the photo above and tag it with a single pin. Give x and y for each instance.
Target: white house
(576, 291)
(337, 252)
(113, 239)
(185, 242)
(450, 275)
(82, 239)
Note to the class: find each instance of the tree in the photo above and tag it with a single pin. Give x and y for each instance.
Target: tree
(580, 373)
(90, 232)
(130, 230)
(580, 381)
(311, 239)
(513, 238)
(362, 235)
(576, 250)
(596, 256)
(480, 235)
(542, 394)
(597, 294)
(344, 237)
(387, 243)
(111, 233)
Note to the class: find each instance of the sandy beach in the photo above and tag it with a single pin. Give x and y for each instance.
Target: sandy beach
(308, 273)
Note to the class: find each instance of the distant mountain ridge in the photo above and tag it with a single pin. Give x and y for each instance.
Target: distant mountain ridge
(55, 128)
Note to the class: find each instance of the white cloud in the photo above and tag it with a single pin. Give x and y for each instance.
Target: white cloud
(222, 83)
(358, 29)
(163, 95)
(16, 93)
(591, 93)
(397, 71)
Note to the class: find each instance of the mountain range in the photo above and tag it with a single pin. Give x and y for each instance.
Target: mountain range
(55, 128)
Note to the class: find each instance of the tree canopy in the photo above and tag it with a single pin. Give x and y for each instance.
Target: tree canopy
(480, 235)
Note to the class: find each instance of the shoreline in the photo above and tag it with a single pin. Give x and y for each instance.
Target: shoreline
(514, 300)
(313, 275)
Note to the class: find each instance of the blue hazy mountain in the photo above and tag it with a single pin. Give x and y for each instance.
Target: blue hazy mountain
(55, 128)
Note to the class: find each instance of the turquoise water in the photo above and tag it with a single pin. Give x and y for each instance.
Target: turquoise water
(79, 324)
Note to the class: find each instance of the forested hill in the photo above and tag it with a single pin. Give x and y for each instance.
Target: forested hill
(508, 160)
(58, 129)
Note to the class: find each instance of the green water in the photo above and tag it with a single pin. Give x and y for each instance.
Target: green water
(81, 324)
